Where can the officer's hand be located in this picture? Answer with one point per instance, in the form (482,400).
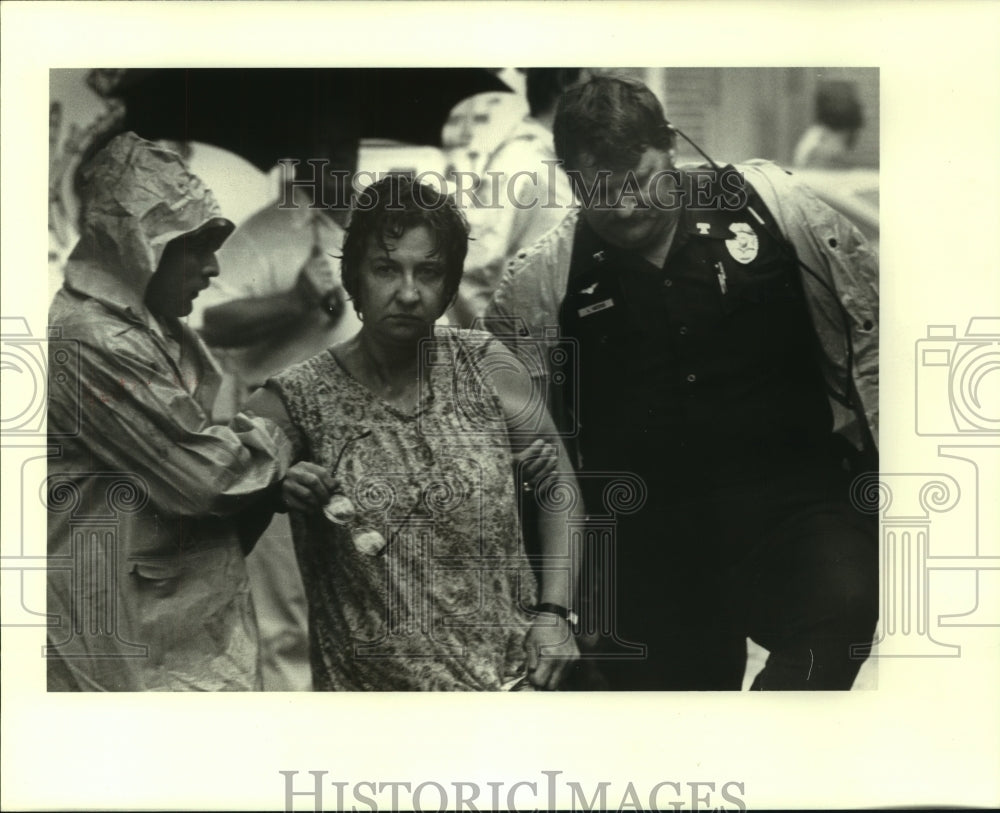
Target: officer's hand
(307,487)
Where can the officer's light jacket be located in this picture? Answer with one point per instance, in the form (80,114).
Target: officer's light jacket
(147,584)
(533,287)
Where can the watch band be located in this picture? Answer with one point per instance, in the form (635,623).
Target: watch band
(558,609)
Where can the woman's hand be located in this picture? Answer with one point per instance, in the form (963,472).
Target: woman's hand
(307,487)
(533,463)
(551,651)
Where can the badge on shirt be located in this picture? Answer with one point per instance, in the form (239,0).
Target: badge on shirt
(744,246)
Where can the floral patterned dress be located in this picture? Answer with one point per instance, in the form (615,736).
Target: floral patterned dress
(443,607)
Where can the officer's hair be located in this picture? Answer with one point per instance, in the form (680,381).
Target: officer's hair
(611,120)
(389,208)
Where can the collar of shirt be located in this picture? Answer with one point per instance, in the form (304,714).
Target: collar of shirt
(89,279)
(597,257)
(713,219)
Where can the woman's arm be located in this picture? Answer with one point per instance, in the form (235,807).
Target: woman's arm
(550,646)
(307,486)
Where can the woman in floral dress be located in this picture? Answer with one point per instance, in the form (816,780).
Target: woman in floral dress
(408,435)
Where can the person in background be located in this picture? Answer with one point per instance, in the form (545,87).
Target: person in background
(403,502)
(523,192)
(161,601)
(715,362)
(279,300)
(829,142)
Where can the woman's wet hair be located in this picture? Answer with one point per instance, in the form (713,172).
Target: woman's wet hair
(608,122)
(392,206)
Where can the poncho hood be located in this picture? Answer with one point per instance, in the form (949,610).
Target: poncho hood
(137,196)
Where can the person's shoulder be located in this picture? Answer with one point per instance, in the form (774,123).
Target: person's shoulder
(474,337)
(783,192)
(480,347)
(319,367)
(531,290)
(551,249)
(87,321)
(768,175)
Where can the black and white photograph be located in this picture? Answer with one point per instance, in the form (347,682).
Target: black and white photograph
(396,487)
(370,387)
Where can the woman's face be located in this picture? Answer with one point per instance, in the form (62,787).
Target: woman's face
(402,289)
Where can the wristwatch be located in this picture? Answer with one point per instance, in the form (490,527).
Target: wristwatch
(558,609)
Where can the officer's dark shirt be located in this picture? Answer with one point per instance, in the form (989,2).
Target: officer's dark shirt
(709,364)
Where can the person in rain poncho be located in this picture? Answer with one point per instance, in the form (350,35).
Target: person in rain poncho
(151,507)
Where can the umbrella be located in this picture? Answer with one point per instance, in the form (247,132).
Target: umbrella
(265,114)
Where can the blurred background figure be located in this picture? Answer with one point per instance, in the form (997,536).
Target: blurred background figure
(477,126)
(829,142)
(522,192)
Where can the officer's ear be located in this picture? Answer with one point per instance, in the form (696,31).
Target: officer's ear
(672,157)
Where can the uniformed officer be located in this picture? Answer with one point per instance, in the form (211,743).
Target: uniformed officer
(705,346)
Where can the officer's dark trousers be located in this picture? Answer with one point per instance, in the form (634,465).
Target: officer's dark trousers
(782,558)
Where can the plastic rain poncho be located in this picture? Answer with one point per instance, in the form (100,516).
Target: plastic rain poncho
(148,501)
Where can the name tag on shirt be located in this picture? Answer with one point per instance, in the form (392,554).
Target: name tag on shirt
(596,307)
